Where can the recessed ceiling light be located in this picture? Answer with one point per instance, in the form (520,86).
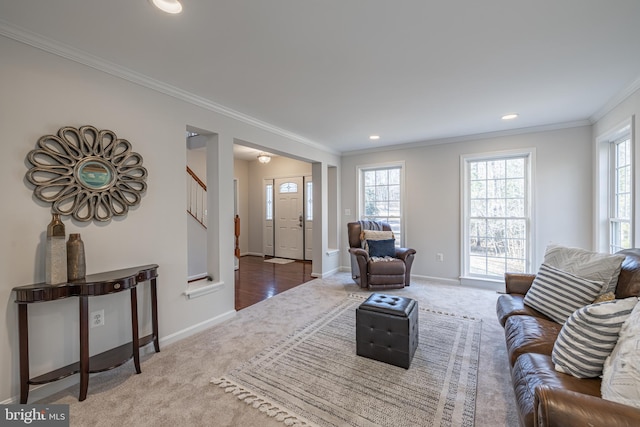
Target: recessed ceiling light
(374,137)
(510,116)
(169,6)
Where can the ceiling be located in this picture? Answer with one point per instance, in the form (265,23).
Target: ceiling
(333,72)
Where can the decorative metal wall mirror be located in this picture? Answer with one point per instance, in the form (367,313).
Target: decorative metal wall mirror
(87,173)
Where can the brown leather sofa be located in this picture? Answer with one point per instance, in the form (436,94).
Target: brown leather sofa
(377,275)
(544,396)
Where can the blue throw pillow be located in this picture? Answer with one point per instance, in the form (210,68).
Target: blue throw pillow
(382,248)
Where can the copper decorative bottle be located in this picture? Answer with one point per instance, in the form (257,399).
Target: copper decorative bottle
(55,270)
(76,264)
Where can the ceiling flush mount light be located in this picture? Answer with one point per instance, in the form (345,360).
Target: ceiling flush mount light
(510,116)
(374,137)
(264,158)
(169,6)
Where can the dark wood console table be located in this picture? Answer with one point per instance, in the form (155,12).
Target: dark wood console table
(92,285)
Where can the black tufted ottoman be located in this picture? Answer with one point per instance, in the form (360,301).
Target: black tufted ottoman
(387,329)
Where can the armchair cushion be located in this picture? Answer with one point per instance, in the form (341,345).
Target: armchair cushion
(382,248)
(376,235)
(368,235)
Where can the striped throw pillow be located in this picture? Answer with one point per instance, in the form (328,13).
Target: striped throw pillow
(589,336)
(557,293)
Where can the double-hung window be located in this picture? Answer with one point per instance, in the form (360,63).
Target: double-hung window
(380,189)
(496,220)
(621,194)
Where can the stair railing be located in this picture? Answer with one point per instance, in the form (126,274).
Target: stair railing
(196,197)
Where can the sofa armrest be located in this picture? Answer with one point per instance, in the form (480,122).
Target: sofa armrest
(518,283)
(557,407)
(403,253)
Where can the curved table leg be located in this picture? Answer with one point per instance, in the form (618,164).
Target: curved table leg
(23,332)
(84,347)
(135,340)
(154,314)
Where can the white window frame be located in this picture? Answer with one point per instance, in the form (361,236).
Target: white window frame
(605,193)
(466,278)
(360,180)
(268,202)
(614,245)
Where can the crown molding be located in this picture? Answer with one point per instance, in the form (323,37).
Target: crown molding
(35,40)
(472,137)
(616,100)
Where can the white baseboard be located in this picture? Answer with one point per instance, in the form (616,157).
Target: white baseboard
(45,390)
(478,284)
(437,279)
(194,329)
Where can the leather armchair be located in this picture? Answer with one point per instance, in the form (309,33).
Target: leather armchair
(381,274)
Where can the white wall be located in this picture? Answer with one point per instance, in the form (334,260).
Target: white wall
(42,92)
(432,194)
(241,173)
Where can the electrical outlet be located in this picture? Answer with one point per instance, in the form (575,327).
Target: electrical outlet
(97,318)
(439,257)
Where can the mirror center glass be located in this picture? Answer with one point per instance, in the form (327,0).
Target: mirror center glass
(95,174)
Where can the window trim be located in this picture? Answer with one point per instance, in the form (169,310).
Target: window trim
(530,154)
(604,186)
(360,190)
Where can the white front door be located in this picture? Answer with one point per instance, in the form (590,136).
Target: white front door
(288,218)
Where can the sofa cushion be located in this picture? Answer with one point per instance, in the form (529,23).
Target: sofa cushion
(557,293)
(621,376)
(532,370)
(589,265)
(528,334)
(588,337)
(513,305)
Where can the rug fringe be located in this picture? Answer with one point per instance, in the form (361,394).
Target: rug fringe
(261,404)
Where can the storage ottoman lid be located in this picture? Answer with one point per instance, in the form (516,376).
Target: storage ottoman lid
(388,304)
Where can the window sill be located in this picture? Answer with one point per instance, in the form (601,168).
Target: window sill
(482,283)
(202,287)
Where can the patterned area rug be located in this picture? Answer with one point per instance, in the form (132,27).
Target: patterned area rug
(315,378)
(278,260)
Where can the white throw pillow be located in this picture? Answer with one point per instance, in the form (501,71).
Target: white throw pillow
(557,293)
(588,337)
(589,265)
(621,375)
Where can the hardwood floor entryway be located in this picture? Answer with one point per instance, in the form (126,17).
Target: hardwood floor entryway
(257,280)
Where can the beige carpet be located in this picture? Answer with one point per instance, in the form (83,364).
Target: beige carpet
(174,389)
(314,377)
